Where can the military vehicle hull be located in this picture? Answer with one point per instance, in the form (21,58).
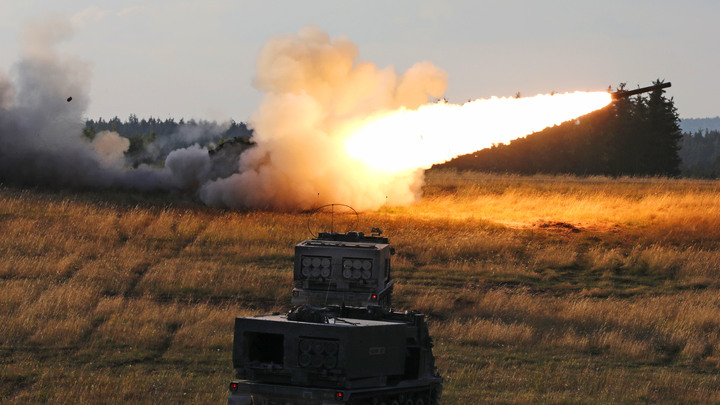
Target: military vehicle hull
(351,355)
(343,343)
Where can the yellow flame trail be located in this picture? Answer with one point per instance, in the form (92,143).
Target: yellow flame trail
(434,133)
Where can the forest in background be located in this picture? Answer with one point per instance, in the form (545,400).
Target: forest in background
(692,125)
(152,139)
(700,154)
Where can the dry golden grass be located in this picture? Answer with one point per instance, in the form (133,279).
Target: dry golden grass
(660,208)
(538,289)
(203,278)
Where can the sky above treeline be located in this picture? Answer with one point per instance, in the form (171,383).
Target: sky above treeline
(196,59)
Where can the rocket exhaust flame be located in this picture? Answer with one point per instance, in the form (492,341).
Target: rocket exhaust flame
(333,129)
(435,133)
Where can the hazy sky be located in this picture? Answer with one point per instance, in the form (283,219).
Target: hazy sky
(195,59)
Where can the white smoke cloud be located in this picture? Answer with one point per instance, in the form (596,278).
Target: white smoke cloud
(41,122)
(90,15)
(110,148)
(314,90)
(189,167)
(7,92)
(201,133)
(39,129)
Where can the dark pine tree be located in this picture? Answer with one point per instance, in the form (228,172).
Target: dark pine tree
(663,128)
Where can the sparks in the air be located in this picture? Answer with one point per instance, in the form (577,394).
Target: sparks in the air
(434,133)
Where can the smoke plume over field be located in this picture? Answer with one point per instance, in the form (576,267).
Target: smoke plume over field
(330,128)
(315,91)
(42,103)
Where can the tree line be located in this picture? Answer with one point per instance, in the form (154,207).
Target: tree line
(639,135)
(700,154)
(152,139)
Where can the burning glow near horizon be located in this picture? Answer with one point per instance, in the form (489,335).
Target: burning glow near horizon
(435,133)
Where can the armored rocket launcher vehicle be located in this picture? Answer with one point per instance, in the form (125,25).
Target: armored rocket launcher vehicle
(341,344)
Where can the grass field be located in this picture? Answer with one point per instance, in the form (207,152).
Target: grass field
(538,289)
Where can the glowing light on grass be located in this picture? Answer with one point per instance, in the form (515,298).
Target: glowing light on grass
(434,133)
